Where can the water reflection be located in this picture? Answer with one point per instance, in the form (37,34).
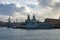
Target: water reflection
(22,34)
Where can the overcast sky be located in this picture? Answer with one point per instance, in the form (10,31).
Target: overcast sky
(19,9)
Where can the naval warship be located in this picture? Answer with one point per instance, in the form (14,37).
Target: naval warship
(34,24)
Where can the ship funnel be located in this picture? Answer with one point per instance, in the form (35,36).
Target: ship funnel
(34,17)
(28,17)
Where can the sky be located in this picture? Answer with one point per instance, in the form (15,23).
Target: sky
(19,9)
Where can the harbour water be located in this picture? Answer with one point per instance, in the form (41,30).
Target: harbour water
(25,34)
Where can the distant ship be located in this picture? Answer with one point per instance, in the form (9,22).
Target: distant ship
(34,24)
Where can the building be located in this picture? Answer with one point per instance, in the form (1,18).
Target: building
(56,22)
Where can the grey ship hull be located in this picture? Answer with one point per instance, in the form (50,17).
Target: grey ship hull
(40,26)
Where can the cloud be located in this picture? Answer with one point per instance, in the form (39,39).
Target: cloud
(50,8)
(45,9)
(15,11)
(10,9)
(57,5)
(45,3)
(7,9)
